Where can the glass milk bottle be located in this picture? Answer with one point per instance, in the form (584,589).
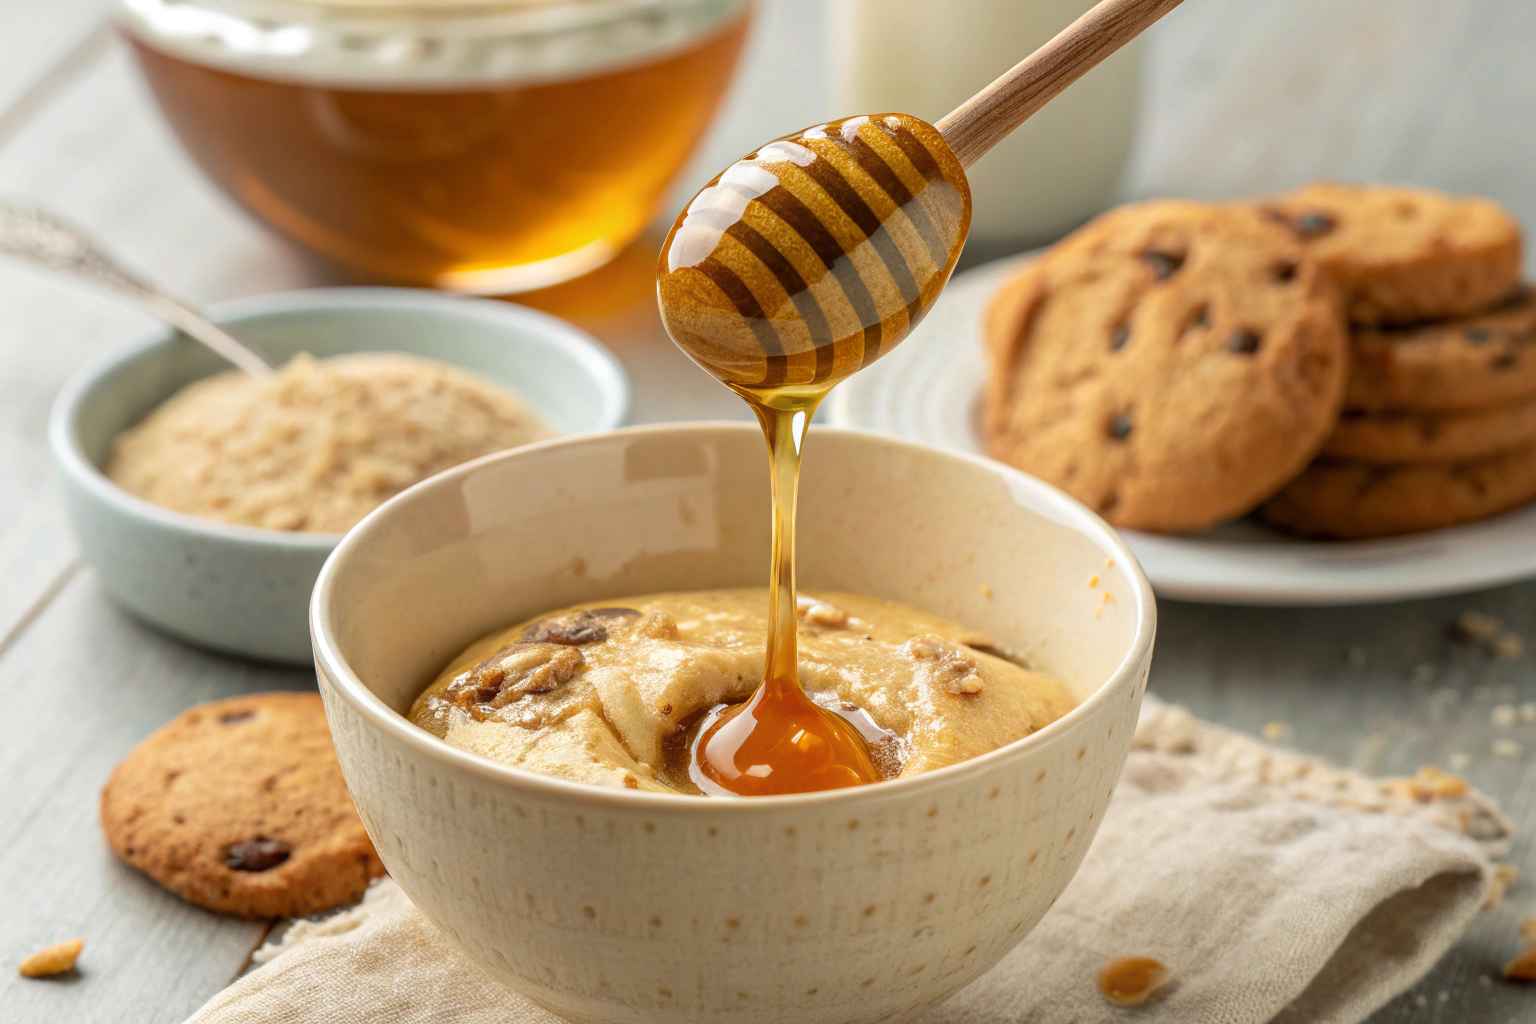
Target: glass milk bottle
(921,57)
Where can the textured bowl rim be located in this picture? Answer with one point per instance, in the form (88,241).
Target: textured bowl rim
(611,389)
(380,716)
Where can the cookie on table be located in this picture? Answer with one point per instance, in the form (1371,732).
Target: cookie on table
(1399,436)
(1472,363)
(1354,500)
(239,806)
(1171,365)
(1402,255)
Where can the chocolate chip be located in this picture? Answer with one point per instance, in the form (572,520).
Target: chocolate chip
(1118,337)
(574,630)
(1120,426)
(1164,264)
(615,613)
(1477,335)
(1243,341)
(1283,273)
(1504,361)
(258,854)
(1472,478)
(1202,317)
(1314,224)
(231,717)
(1373,478)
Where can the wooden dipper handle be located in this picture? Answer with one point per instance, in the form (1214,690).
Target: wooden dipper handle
(982,121)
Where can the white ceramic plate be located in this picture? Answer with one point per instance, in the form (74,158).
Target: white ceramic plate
(927,390)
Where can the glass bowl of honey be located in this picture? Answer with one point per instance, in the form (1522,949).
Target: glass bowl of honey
(485,146)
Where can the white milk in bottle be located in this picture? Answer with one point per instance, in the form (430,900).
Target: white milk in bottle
(923,57)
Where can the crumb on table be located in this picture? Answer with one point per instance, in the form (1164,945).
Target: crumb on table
(1488,633)
(1430,783)
(57,959)
(1523,966)
(1504,878)
(1131,980)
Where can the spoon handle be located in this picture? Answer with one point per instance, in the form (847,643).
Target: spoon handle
(46,241)
(986,118)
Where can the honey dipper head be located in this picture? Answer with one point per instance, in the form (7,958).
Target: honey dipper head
(815,255)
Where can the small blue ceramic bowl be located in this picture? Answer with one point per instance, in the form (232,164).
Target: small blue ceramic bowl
(245,590)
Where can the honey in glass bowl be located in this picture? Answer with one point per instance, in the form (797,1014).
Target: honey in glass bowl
(488,146)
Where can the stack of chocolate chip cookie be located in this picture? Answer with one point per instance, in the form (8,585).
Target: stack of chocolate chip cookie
(1350,361)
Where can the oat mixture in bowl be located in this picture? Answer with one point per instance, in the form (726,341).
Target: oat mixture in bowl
(139,466)
(320,444)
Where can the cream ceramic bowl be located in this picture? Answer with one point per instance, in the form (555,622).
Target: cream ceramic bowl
(609,906)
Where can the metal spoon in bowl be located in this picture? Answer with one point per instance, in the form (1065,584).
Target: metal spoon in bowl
(46,241)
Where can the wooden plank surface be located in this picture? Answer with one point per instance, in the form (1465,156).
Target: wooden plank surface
(1241,97)
(41,43)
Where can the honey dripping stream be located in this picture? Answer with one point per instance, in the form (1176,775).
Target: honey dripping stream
(780,741)
(790,271)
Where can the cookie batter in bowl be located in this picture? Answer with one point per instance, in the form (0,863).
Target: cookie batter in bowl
(611,693)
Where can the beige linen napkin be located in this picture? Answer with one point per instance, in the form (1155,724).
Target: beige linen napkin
(1274,887)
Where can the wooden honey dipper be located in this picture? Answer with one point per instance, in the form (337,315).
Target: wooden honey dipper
(818,253)
(792,269)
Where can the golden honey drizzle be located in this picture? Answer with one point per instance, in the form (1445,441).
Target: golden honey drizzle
(790,271)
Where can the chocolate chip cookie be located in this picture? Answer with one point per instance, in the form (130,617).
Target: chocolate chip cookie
(239,806)
(1172,364)
(1402,255)
(1472,363)
(1353,500)
(1392,437)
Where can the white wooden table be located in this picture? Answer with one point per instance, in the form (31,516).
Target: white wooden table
(1242,97)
